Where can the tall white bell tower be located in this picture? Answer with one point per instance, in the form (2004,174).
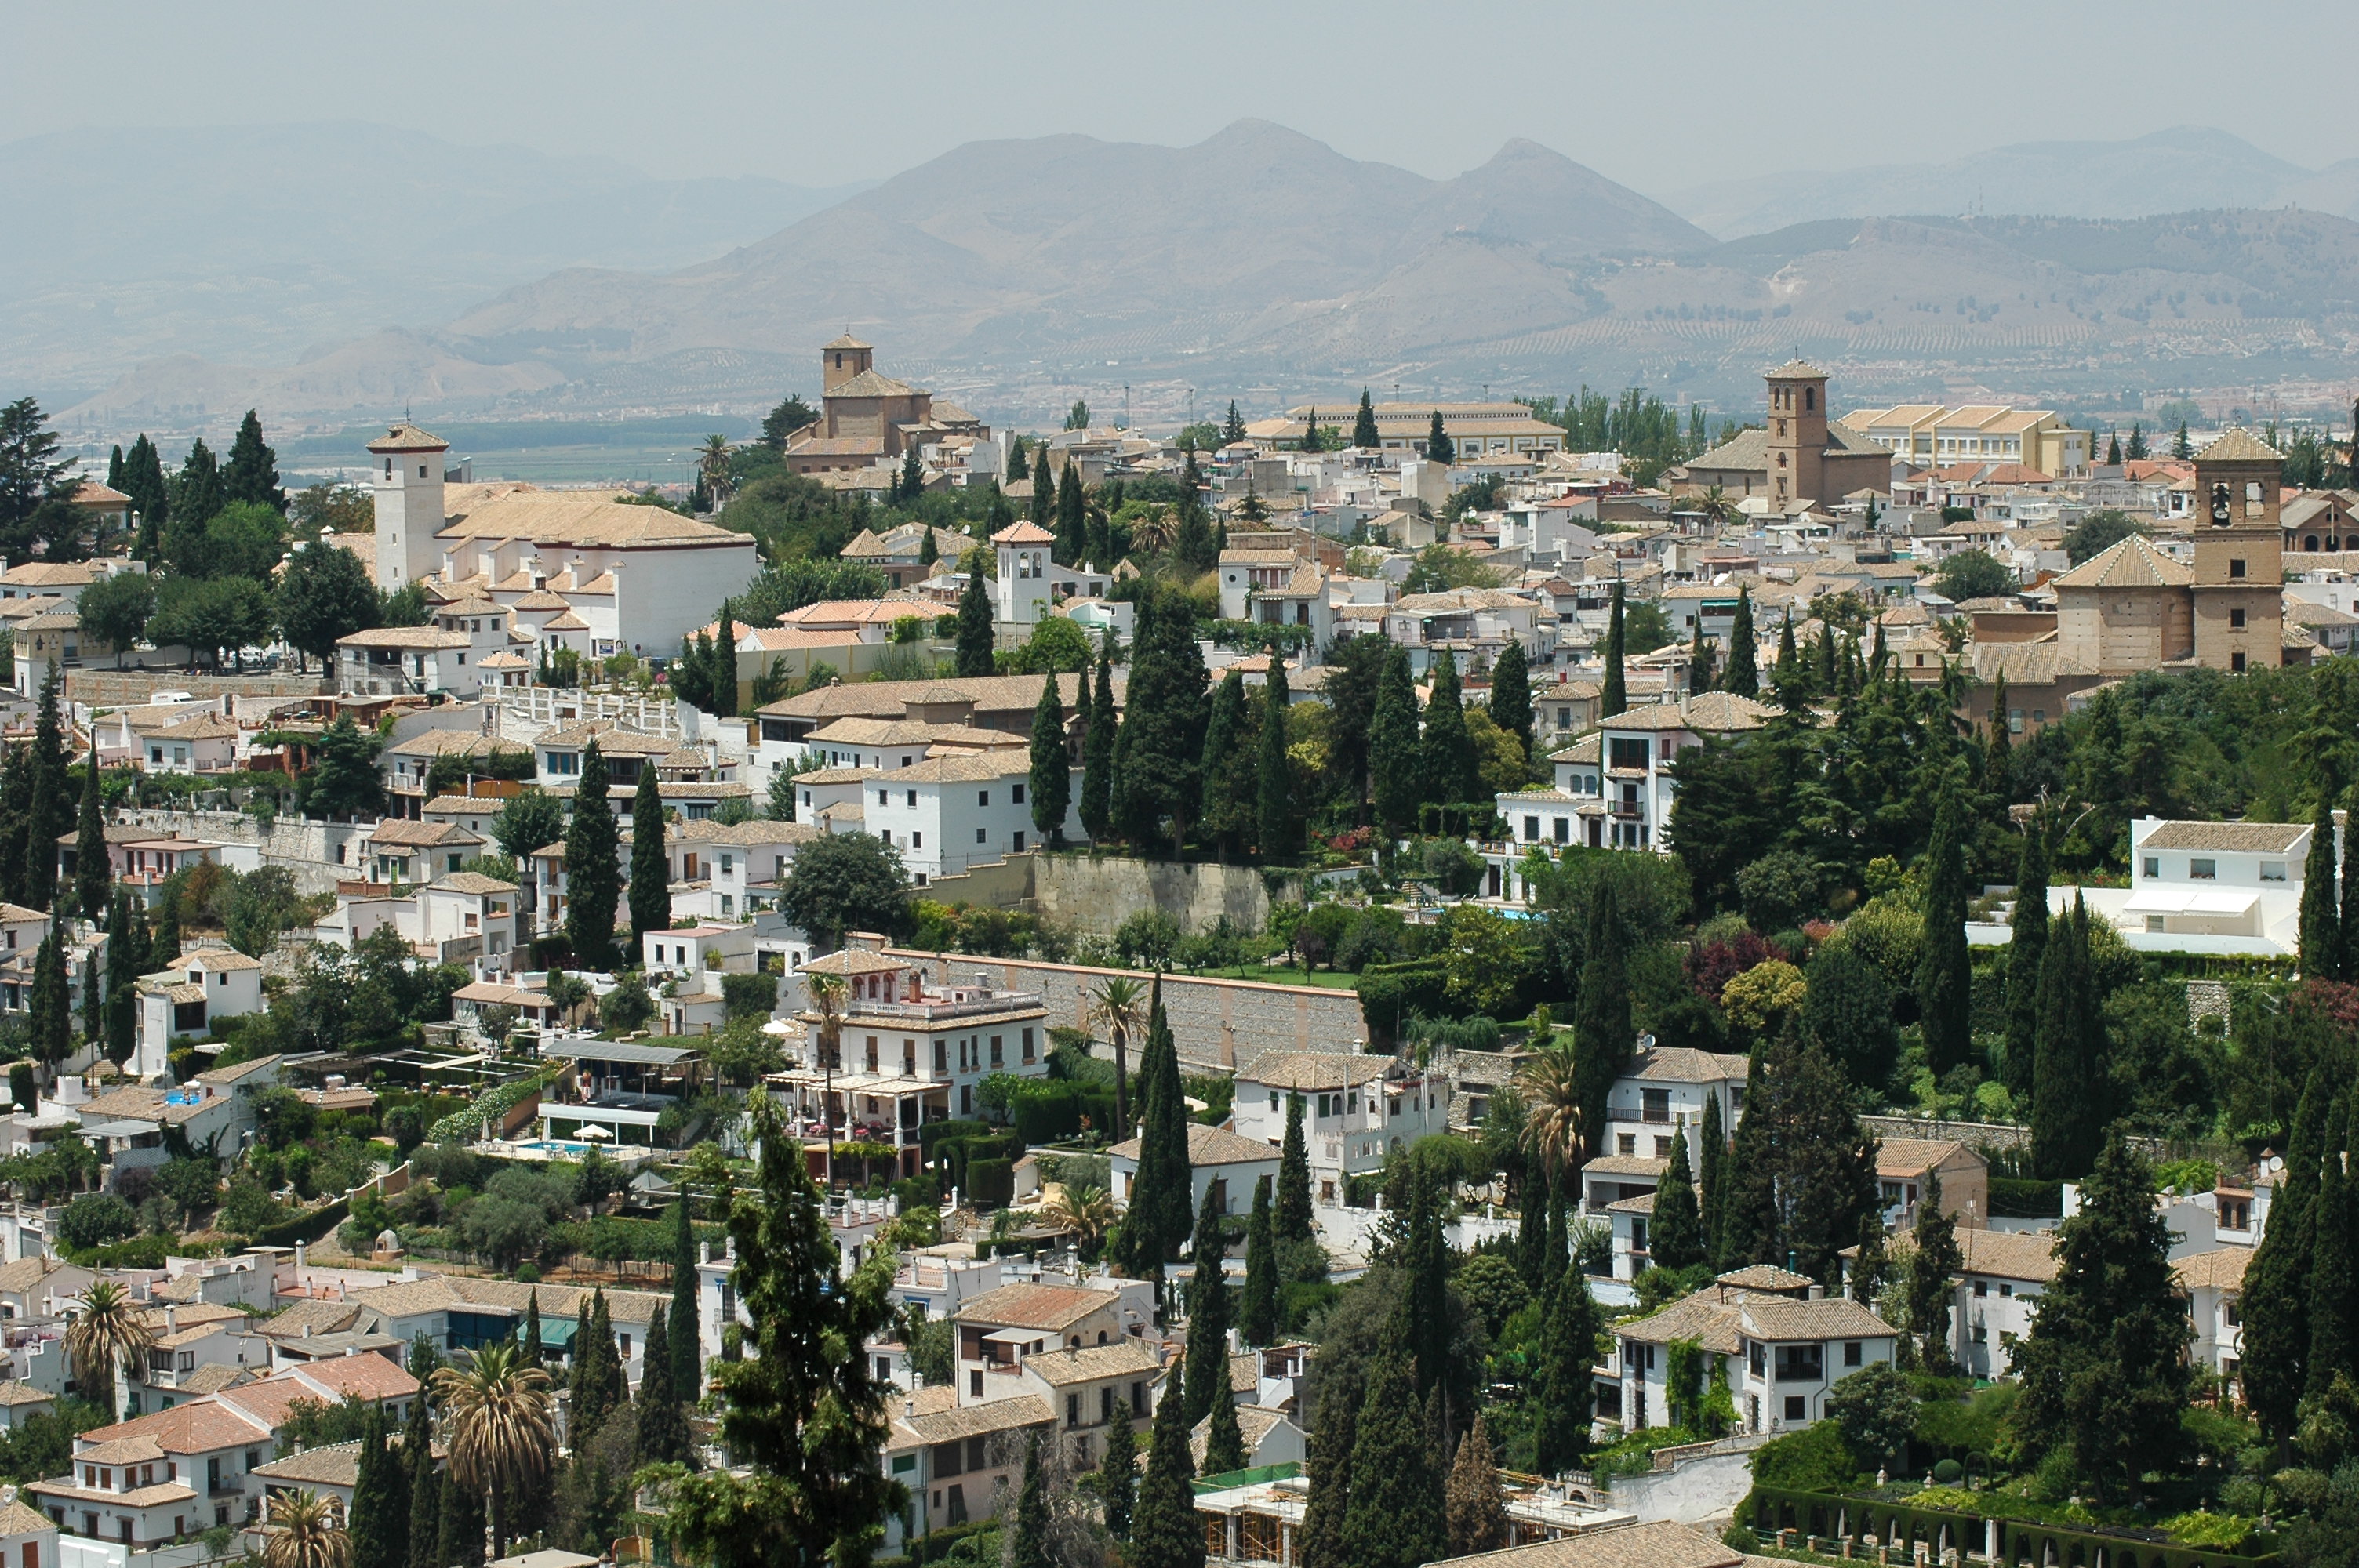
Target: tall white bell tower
(406,480)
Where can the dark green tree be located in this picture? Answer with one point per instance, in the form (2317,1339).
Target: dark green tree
(1439,447)
(1311,439)
(1233,427)
(976,640)
(1800,1180)
(1162,737)
(1364,425)
(325,593)
(1027,1547)
(2277,1299)
(1158,1218)
(1998,756)
(1042,510)
(2347,920)
(2333,1276)
(1119,1471)
(252,473)
(1511,695)
(2320,931)
(1929,1278)
(1531,1231)
(1327,1469)
(2104,1368)
(345,779)
(122,980)
(460,1532)
(142,481)
(663,1424)
(1563,1389)
(1452,771)
(1711,1184)
(425,1488)
(1292,1214)
(1072,518)
(2068,1103)
(1675,1235)
(1944,970)
(1052,768)
(1613,698)
(1395,764)
(197,495)
(687,1353)
(1225,817)
(1257,1313)
(1393,1517)
(1274,795)
(2026,955)
(1097,752)
(1602,1032)
(92,882)
(805,1420)
(1743,676)
(593,867)
(848,882)
(49,811)
(534,1351)
(651,891)
(379,1520)
(50,1006)
(1848,1011)
(1209,1311)
(1164,1530)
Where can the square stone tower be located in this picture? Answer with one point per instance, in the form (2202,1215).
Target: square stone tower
(2239,554)
(1798,433)
(406,478)
(842,360)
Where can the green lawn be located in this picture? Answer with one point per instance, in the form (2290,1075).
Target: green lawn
(1338,979)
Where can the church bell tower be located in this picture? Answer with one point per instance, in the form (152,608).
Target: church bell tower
(2239,554)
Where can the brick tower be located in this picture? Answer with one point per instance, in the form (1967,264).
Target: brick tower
(1798,433)
(2239,555)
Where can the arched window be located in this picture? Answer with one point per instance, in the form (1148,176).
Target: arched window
(2309,541)
(1810,397)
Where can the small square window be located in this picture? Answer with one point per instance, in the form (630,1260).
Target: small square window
(2203,871)
(1850,1352)
(2236,620)
(982,797)
(2235,569)
(1797,1408)
(2272,870)
(1016,795)
(2151,866)
(983,836)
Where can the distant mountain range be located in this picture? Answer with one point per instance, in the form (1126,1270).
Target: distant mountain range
(1258,264)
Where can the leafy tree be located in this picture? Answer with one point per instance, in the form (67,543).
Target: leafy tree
(788,416)
(31,471)
(976,640)
(1613,698)
(2104,1367)
(847,881)
(1944,970)
(1802,1178)
(116,609)
(1875,1410)
(1973,574)
(2098,531)
(591,869)
(1395,1517)
(1273,803)
(807,1421)
(1098,752)
(530,819)
(210,616)
(1053,771)
(343,780)
(1395,768)
(650,890)
(1364,425)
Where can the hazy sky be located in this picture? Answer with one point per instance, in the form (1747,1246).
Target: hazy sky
(1658,96)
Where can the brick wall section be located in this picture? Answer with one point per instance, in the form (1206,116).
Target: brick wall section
(1218,1025)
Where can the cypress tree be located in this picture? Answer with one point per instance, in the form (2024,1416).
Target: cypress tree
(1827,663)
(1162,738)
(16,822)
(2348,919)
(687,1351)
(929,551)
(1743,676)
(49,811)
(1675,1238)
(1164,1530)
(1274,802)
(1944,970)
(721,663)
(1053,771)
(1311,440)
(1224,1440)
(374,1526)
(2322,934)
(1395,770)
(94,1016)
(2278,1298)
(2068,1114)
(91,867)
(1439,447)
(1072,518)
(1998,758)
(591,867)
(1233,427)
(1393,1519)
(1511,695)
(252,474)
(1602,1032)
(197,489)
(1789,658)
(1042,512)
(1017,467)
(52,1004)
(651,891)
(461,1534)
(1226,820)
(1931,1278)
(425,1488)
(115,468)
(1558,1245)
(164,949)
(1327,1469)
(151,503)
(1364,425)
(1027,1545)
(1119,1471)
(1531,1233)
(1097,750)
(1452,774)
(1425,1303)
(1291,1216)
(1194,545)
(1700,661)
(1207,1314)
(1563,1397)
(663,1424)
(1712,1175)
(533,1349)
(1257,1313)
(1613,697)
(1475,1510)
(2027,949)
(2332,1273)
(1160,1214)
(975,638)
(122,978)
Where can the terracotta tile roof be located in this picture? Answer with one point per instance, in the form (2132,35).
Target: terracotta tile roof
(409,438)
(2239,445)
(2133,563)
(1626,1165)
(1909,1156)
(337,1465)
(1254,1423)
(1049,1308)
(198,1427)
(1765,1277)
(1208,1146)
(977,1420)
(2231,837)
(1310,1071)
(1685,1065)
(1123,1358)
(2222,1270)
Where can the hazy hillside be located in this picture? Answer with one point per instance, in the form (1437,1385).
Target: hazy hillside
(1261,262)
(2170,171)
(254,242)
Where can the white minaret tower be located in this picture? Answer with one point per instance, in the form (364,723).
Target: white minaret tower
(407,482)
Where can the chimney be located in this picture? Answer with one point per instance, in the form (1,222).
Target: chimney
(1817,1291)
(307,1331)
(909,1407)
(171,1319)
(301,1253)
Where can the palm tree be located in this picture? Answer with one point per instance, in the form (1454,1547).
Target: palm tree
(109,1333)
(828,996)
(1120,1004)
(307,1531)
(1154,529)
(501,1434)
(1085,1210)
(1551,1086)
(712,467)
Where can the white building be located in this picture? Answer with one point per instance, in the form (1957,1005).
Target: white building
(1219,1162)
(191,997)
(1779,1340)
(1615,789)
(2207,887)
(1356,1110)
(1029,581)
(2214,1283)
(949,812)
